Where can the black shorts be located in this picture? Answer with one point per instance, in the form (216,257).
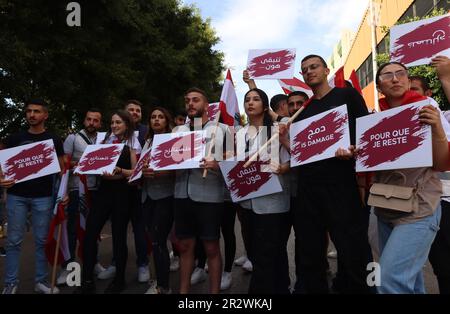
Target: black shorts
(197,219)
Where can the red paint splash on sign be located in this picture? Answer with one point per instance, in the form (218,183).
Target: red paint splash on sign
(213,109)
(98,159)
(177,150)
(140,165)
(271,63)
(391,138)
(29,161)
(243,181)
(319,136)
(423,42)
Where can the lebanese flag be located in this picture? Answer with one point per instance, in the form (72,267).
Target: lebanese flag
(337,79)
(355,82)
(59,218)
(229,108)
(294,85)
(84,205)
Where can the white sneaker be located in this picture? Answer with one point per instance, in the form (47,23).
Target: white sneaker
(198,275)
(143,274)
(248,266)
(241,260)
(108,273)
(9,289)
(43,287)
(98,268)
(153,287)
(225,283)
(332,254)
(175,263)
(62,278)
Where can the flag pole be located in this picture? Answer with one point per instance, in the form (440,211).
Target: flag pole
(373,31)
(272,138)
(213,138)
(55,260)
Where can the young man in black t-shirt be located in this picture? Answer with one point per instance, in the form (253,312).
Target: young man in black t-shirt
(34,195)
(328,198)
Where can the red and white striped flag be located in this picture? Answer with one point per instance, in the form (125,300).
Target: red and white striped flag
(337,79)
(229,108)
(293,85)
(355,82)
(84,206)
(59,218)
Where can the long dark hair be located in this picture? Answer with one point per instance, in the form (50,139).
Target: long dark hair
(167,116)
(126,118)
(267,119)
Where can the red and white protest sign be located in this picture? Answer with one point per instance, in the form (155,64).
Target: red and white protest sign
(271,63)
(182,150)
(319,137)
(393,139)
(31,161)
(213,110)
(416,43)
(144,158)
(98,159)
(251,182)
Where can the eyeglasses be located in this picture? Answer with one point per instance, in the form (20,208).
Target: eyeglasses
(311,67)
(389,76)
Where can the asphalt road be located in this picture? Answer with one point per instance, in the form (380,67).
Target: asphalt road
(240,277)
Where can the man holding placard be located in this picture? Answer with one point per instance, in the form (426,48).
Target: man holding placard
(35,195)
(198,199)
(328,197)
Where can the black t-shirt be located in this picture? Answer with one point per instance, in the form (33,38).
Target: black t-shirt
(333,170)
(39,187)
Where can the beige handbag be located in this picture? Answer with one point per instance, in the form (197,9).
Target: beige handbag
(395,197)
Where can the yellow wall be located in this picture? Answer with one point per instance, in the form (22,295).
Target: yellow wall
(390,12)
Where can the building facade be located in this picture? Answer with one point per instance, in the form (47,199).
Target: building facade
(389,13)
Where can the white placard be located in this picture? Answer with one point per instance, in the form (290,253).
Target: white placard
(99,159)
(144,157)
(416,43)
(271,63)
(30,161)
(319,137)
(181,150)
(393,139)
(251,182)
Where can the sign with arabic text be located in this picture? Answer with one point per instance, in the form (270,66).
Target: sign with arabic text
(319,137)
(271,63)
(416,43)
(99,159)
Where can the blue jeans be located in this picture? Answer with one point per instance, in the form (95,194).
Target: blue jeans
(404,251)
(41,211)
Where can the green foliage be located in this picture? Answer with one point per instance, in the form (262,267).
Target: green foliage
(151,50)
(425,71)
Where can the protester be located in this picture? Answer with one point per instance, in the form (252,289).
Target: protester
(266,218)
(406,237)
(37,196)
(198,200)
(157,202)
(328,197)
(74,146)
(112,202)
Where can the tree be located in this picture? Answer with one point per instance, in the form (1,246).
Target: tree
(425,71)
(151,50)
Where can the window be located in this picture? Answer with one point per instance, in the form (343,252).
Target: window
(443,4)
(423,7)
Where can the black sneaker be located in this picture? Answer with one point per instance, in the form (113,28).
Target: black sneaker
(2,251)
(115,287)
(87,287)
